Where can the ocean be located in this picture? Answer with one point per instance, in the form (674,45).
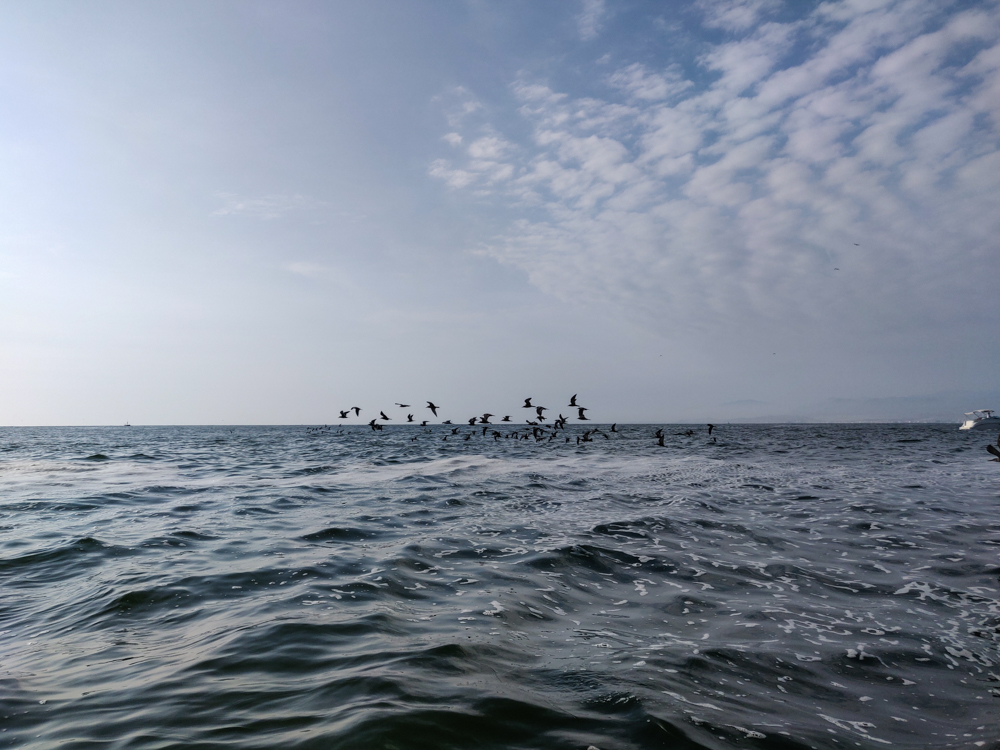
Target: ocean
(784,587)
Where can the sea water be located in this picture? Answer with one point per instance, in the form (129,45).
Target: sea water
(785,586)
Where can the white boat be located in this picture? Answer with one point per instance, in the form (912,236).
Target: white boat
(980,418)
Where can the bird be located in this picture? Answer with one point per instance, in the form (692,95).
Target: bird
(356,409)
(433,407)
(572,400)
(539,410)
(995,451)
(454,430)
(373,425)
(506,419)
(424,423)
(659,441)
(447,421)
(710,428)
(343,414)
(856,245)
(383,416)
(472,421)
(409,417)
(613,427)
(485,419)
(658,433)
(582,416)
(527,403)
(402,406)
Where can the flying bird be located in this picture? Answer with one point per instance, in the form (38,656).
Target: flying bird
(343,414)
(409,417)
(506,419)
(572,400)
(527,404)
(710,428)
(403,406)
(582,415)
(383,416)
(433,407)
(995,451)
(485,419)
(356,409)
(613,427)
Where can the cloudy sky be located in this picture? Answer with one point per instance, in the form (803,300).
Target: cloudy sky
(262,212)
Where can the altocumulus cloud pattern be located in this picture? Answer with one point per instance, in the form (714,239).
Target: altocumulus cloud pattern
(861,137)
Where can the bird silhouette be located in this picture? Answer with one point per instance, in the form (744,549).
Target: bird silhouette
(343,414)
(485,419)
(613,427)
(472,421)
(506,419)
(527,404)
(995,451)
(572,401)
(710,428)
(424,423)
(447,421)
(433,407)
(409,417)
(402,406)
(383,416)
(582,416)
(539,410)
(356,409)
(659,441)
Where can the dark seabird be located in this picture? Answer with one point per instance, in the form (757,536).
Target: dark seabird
(373,425)
(710,428)
(539,410)
(486,426)
(582,415)
(527,404)
(469,436)
(403,406)
(659,441)
(356,409)
(454,430)
(658,433)
(613,427)
(424,423)
(447,421)
(485,419)
(472,421)
(433,407)
(343,414)
(995,451)
(572,401)
(409,417)
(506,419)
(383,416)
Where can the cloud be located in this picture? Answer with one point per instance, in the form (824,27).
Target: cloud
(875,152)
(265,207)
(589,20)
(735,15)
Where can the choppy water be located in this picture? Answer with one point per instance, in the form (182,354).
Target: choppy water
(788,587)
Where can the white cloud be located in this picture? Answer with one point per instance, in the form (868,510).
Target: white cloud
(265,207)
(590,18)
(736,200)
(736,15)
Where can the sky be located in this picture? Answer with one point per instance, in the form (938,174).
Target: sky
(245,212)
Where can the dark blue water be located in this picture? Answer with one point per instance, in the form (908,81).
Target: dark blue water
(786,587)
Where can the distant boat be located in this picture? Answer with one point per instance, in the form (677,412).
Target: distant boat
(980,418)
(127,424)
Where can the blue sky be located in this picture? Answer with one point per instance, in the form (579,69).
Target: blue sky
(247,212)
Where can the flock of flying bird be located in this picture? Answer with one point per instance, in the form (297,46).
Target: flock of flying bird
(536,428)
